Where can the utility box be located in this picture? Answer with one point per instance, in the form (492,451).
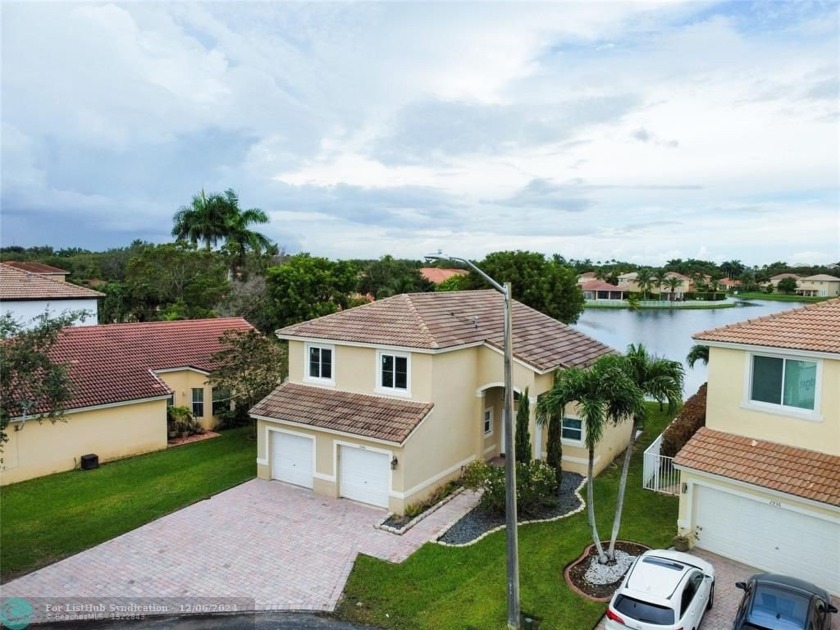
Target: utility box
(90,461)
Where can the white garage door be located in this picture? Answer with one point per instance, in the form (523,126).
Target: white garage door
(291,458)
(364,475)
(769,536)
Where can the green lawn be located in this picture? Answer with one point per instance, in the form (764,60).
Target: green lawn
(780,297)
(46,519)
(464,588)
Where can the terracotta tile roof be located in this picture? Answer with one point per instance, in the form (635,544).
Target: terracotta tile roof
(21,285)
(815,327)
(794,471)
(454,318)
(114,362)
(598,285)
(436,275)
(34,267)
(387,419)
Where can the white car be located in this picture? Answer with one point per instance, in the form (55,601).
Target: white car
(663,590)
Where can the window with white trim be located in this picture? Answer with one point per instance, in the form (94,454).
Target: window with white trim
(198,402)
(320,363)
(393,371)
(488,421)
(572,429)
(784,382)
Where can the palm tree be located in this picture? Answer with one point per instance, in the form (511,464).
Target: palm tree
(657,378)
(658,278)
(644,280)
(204,220)
(672,282)
(697,353)
(239,238)
(603,392)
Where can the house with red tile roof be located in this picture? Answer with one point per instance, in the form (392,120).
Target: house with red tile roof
(387,401)
(761,481)
(48,271)
(438,275)
(123,377)
(28,291)
(594,290)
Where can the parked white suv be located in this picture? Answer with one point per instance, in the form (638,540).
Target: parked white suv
(663,590)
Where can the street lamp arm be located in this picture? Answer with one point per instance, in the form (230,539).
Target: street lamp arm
(489,280)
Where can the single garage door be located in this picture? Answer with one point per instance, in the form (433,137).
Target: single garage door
(769,535)
(364,475)
(291,458)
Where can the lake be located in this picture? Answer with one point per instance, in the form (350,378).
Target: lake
(667,332)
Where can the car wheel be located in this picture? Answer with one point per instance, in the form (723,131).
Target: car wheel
(711,598)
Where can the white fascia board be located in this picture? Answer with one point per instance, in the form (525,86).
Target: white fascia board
(68,412)
(812,354)
(186,368)
(380,346)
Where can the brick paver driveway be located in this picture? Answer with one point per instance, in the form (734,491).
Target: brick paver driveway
(282,546)
(727,597)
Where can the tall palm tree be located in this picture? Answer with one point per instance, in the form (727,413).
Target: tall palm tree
(658,278)
(203,221)
(672,282)
(239,238)
(657,378)
(644,278)
(604,393)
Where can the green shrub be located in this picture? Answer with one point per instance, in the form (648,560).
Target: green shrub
(180,421)
(691,417)
(536,486)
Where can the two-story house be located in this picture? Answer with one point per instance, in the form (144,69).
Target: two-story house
(387,401)
(820,285)
(760,483)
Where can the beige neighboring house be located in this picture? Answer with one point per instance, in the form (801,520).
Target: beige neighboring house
(586,276)
(774,281)
(594,290)
(629,283)
(387,401)
(761,481)
(26,294)
(124,376)
(820,285)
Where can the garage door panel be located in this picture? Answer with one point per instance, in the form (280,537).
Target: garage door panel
(768,536)
(364,475)
(292,459)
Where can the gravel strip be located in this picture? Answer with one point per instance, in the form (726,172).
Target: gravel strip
(477,522)
(598,573)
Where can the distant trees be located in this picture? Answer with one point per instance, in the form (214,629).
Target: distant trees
(787,285)
(390,276)
(545,285)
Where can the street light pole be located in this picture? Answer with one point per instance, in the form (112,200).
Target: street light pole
(512,538)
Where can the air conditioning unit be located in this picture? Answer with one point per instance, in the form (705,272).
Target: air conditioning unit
(90,461)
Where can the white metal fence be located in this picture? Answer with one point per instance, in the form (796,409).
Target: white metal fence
(659,473)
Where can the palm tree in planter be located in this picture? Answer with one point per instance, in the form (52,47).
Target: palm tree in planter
(657,378)
(603,393)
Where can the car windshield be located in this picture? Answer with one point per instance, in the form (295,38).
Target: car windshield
(644,611)
(775,607)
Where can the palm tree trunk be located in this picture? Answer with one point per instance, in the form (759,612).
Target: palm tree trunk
(622,486)
(590,500)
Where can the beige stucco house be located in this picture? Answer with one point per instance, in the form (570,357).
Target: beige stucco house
(387,401)
(629,283)
(761,481)
(124,376)
(820,285)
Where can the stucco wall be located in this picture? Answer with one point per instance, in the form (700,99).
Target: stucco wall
(728,408)
(111,433)
(182,383)
(25,310)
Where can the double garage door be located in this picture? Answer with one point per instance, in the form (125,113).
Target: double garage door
(363,475)
(769,535)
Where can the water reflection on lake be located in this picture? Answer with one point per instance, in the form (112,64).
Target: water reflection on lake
(667,332)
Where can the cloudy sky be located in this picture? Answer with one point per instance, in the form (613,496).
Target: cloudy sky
(629,130)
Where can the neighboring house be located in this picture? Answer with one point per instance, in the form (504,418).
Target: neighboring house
(761,481)
(628,282)
(821,285)
(387,401)
(729,284)
(26,295)
(595,290)
(123,376)
(586,276)
(47,271)
(774,281)
(436,276)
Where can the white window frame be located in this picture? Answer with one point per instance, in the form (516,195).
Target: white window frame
(393,391)
(488,412)
(569,441)
(317,379)
(194,402)
(782,409)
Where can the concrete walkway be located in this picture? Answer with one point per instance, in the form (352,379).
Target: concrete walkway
(278,546)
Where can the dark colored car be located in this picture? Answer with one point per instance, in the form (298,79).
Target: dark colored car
(779,602)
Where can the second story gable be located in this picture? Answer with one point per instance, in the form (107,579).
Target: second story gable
(777,378)
(418,345)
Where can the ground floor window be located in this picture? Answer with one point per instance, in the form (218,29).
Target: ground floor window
(198,402)
(488,421)
(221,400)
(572,429)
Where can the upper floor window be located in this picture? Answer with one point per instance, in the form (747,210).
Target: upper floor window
(320,363)
(572,429)
(785,382)
(393,372)
(198,402)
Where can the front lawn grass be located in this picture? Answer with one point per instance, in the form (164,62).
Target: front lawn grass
(781,297)
(44,520)
(466,588)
